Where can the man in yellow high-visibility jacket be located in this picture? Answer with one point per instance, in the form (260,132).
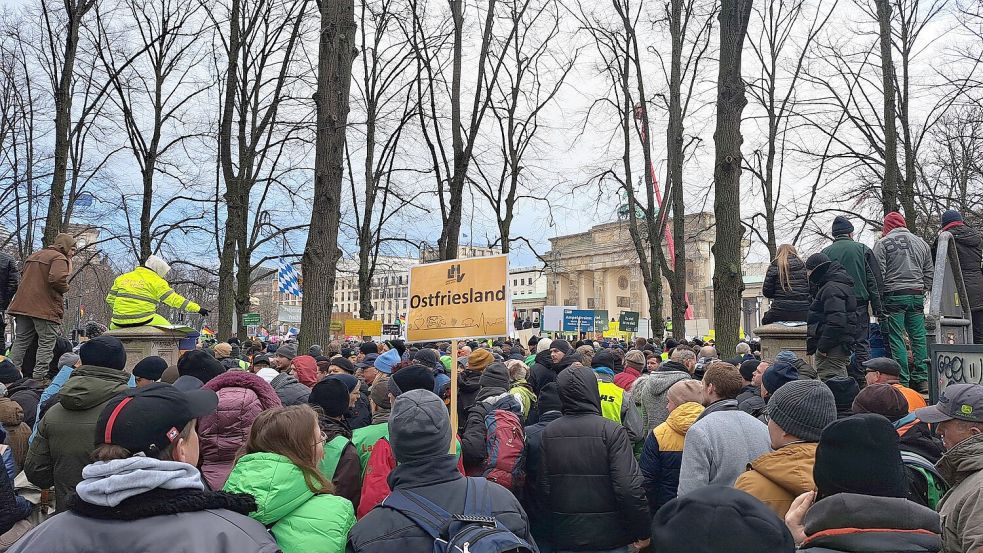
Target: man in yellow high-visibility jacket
(135,295)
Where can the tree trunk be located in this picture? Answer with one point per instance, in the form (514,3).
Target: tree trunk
(889,191)
(227,257)
(63,122)
(336,51)
(450,234)
(674,155)
(727,278)
(366,244)
(146,205)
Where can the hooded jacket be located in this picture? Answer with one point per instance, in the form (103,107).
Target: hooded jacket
(778,477)
(796,297)
(589,480)
(468,384)
(962,516)
(719,446)
(289,390)
(135,296)
(663,454)
(969,249)
(300,520)
(861,265)
(160,508)
(425,468)
(751,402)
(241,398)
(44,282)
(833,313)
(18,433)
(27,393)
(652,395)
(905,260)
(851,523)
(532,500)
(492,396)
(66,433)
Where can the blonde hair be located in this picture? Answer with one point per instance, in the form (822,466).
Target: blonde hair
(785,251)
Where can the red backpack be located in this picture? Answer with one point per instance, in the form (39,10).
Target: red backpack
(505,442)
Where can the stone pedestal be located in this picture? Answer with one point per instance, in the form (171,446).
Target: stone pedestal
(144,341)
(778,337)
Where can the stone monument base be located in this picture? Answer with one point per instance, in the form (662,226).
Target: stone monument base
(778,337)
(144,341)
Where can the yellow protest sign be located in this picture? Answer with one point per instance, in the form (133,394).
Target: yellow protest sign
(457,299)
(358,327)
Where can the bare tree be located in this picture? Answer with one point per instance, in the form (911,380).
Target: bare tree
(154,95)
(728,278)
(336,52)
(259,40)
(889,195)
(532,75)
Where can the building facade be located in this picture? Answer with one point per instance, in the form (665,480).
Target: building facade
(599,269)
(528,286)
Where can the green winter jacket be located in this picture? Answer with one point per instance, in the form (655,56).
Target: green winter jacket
(859,262)
(301,521)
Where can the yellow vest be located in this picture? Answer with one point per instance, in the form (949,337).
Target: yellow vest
(135,296)
(612,397)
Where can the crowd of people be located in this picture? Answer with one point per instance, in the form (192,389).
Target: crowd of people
(550,445)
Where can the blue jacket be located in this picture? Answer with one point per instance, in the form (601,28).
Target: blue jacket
(662,455)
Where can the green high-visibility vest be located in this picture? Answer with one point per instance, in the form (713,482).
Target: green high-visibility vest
(332,456)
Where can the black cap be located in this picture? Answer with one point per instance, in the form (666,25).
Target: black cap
(147,420)
(884,365)
(261,358)
(344,364)
(414,377)
(331,395)
(349,352)
(104,351)
(860,455)
(151,368)
(199,364)
(368,347)
(816,260)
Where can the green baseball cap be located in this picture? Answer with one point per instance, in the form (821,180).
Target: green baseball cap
(958,401)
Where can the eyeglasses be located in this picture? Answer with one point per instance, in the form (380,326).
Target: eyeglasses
(324,438)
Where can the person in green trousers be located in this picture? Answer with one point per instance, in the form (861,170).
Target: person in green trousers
(906,263)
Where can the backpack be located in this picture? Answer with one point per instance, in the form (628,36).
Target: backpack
(474,531)
(928,478)
(505,440)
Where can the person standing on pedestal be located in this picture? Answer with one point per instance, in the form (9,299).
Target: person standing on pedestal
(861,265)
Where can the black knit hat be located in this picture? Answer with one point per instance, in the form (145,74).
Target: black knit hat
(495,375)
(151,368)
(343,364)
(951,216)
(8,372)
(714,519)
(605,358)
(841,226)
(414,377)
(104,351)
(860,455)
(199,364)
(549,399)
(844,389)
(816,260)
(331,395)
(747,368)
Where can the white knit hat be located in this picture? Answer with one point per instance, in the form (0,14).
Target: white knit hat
(157,265)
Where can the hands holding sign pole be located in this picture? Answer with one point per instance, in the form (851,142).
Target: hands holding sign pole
(459,299)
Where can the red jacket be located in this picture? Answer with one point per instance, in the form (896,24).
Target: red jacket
(375,484)
(626,379)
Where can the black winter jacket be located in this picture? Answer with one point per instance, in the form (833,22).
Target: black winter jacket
(27,393)
(796,297)
(384,530)
(969,248)
(589,480)
(833,314)
(850,523)
(751,402)
(468,384)
(532,500)
(541,373)
(475,436)
(9,279)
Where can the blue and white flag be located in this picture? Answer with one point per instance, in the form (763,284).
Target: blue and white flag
(288,279)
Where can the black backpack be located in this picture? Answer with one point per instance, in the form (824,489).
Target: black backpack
(474,531)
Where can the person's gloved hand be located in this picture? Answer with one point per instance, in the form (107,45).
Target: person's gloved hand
(203,312)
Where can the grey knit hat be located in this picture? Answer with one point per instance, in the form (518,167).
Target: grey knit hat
(803,408)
